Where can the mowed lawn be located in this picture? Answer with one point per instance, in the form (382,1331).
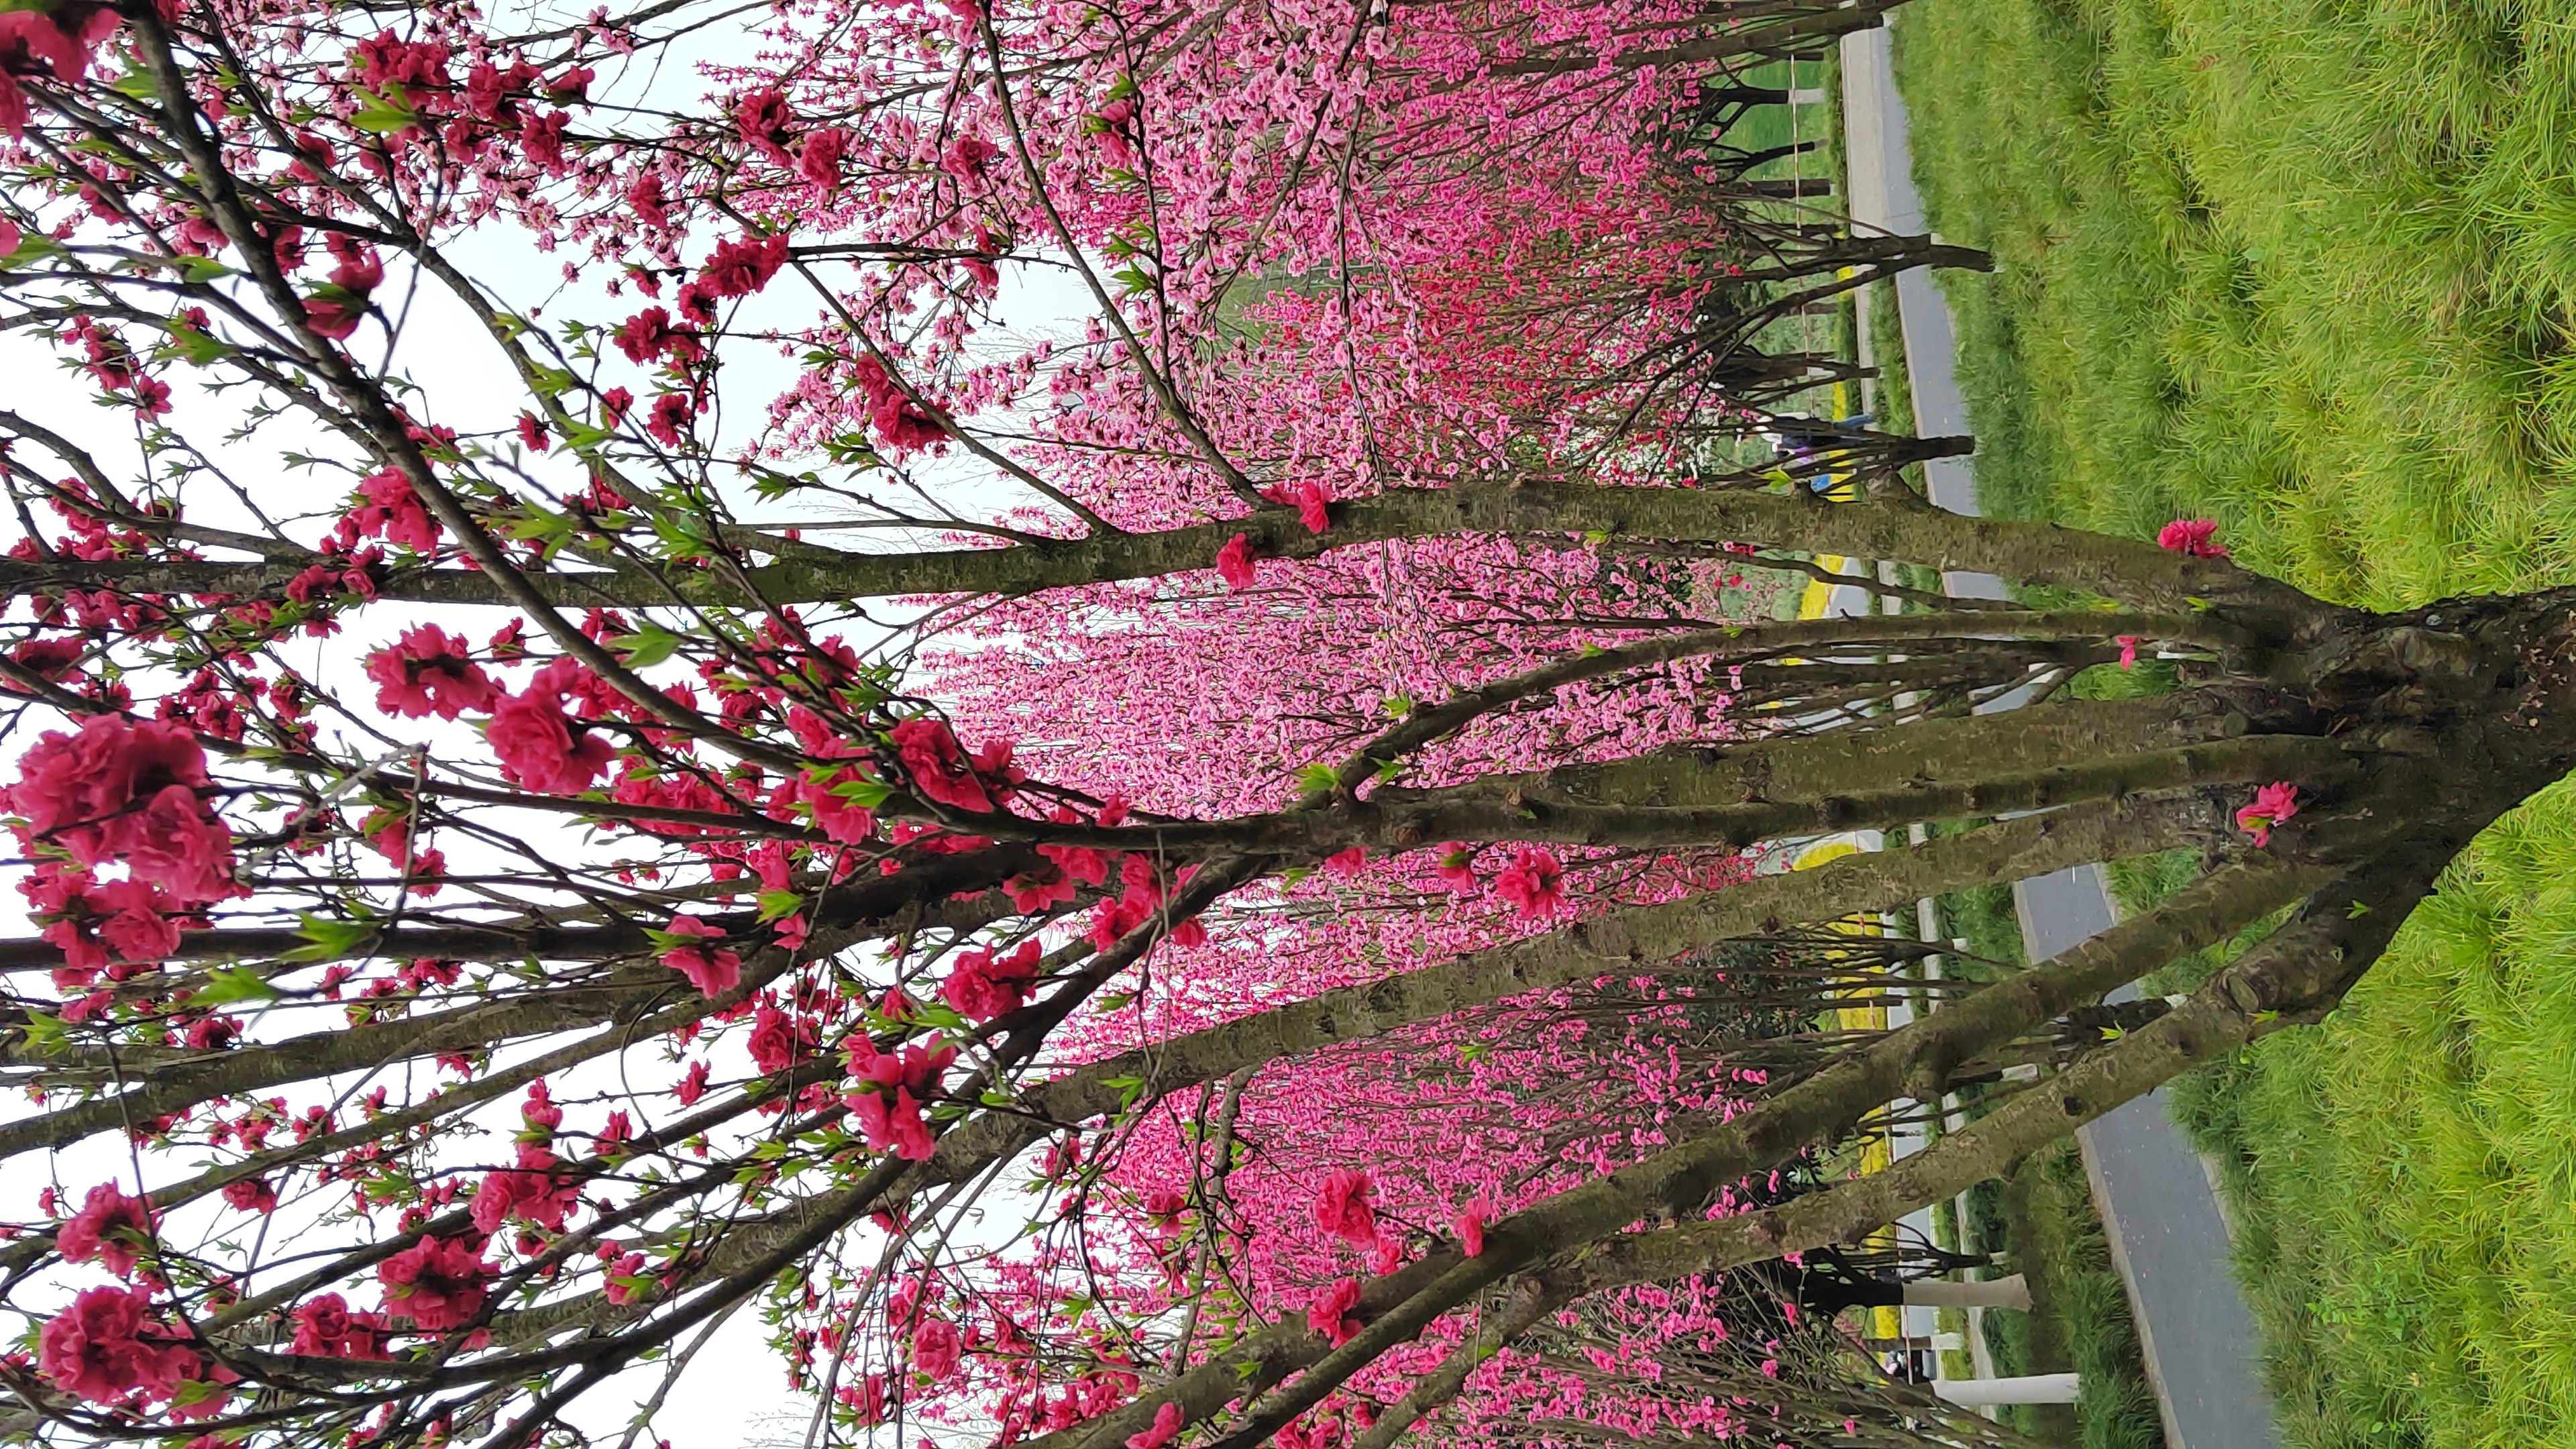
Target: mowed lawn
(2310,269)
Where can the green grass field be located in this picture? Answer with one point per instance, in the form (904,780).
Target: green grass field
(2307,268)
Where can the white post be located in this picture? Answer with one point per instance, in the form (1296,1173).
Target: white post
(2009,1292)
(2036,1389)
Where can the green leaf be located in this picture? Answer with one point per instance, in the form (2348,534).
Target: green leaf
(536,524)
(332,939)
(34,246)
(379,120)
(852,450)
(677,538)
(866,794)
(649,646)
(390,111)
(231,984)
(200,270)
(196,348)
(195,1391)
(1317,777)
(46,1033)
(2356,911)
(135,85)
(779,905)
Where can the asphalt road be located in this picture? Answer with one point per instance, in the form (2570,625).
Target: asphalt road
(2168,1239)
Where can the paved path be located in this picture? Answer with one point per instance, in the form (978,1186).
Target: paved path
(2168,1239)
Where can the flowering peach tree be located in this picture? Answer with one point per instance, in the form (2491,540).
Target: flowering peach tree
(602,742)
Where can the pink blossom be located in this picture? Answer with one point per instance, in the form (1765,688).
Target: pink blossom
(774,1043)
(936,1349)
(1167,1427)
(127,790)
(537,743)
(2273,804)
(629,1266)
(438,1283)
(899,421)
(668,423)
(106,1345)
(1031,894)
(1234,562)
(1456,864)
(2128,650)
(528,1193)
(359,268)
(1470,1227)
(918,1069)
(940,769)
(644,197)
(390,510)
(1079,862)
(983,987)
(174,843)
(69,54)
(740,268)
(1342,1207)
(713,971)
(1311,499)
(1535,883)
(1330,1314)
(110,1228)
(765,123)
(892,1124)
(430,672)
(648,337)
(966,157)
(334,318)
(325,1326)
(835,813)
(819,159)
(2194,536)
